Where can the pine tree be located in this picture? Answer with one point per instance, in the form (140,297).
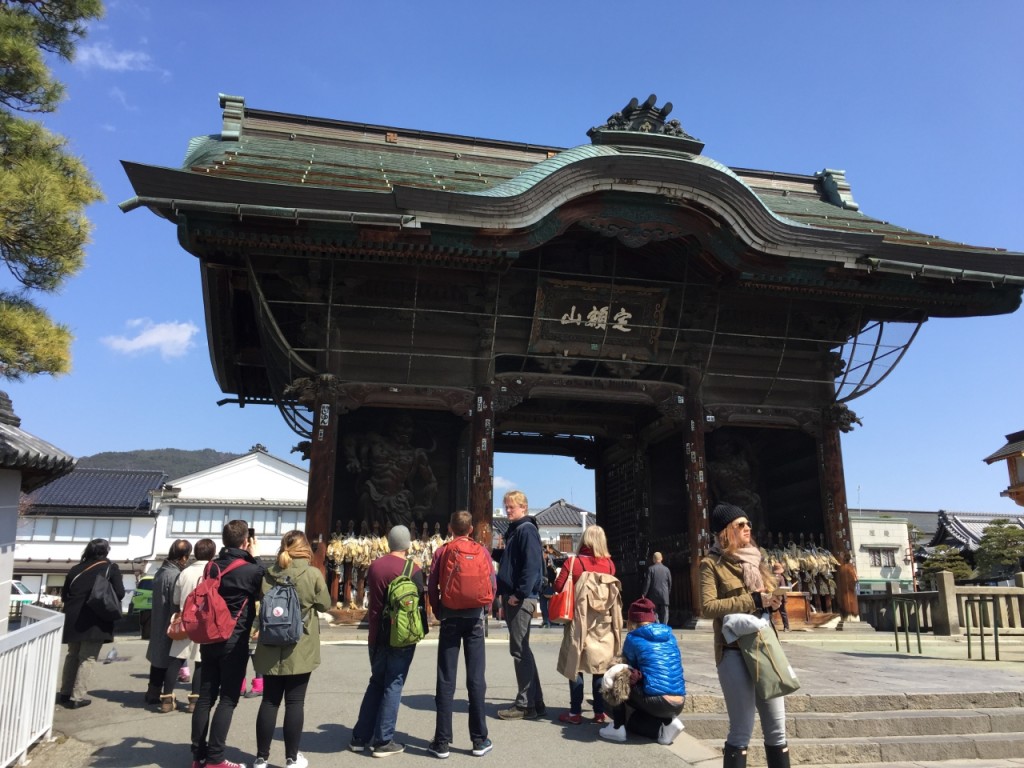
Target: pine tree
(44,190)
(1001,549)
(946,558)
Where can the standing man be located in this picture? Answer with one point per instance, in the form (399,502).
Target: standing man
(389,667)
(460,626)
(224,663)
(658,587)
(520,575)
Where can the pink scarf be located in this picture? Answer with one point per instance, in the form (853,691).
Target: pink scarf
(749,559)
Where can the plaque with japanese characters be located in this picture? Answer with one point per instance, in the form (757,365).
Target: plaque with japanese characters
(579,319)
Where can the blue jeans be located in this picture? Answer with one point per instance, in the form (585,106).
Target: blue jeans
(740,703)
(469,633)
(576,694)
(379,711)
(518,618)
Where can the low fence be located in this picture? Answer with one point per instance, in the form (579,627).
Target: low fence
(944,611)
(29,660)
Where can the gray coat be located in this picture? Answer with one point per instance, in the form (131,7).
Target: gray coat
(159,648)
(658,584)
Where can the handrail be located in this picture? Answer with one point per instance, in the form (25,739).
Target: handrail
(902,607)
(981,601)
(29,659)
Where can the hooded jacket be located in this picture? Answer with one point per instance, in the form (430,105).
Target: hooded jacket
(314,596)
(653,649)
(521,570)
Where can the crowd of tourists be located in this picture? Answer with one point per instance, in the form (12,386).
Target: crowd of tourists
(216,613)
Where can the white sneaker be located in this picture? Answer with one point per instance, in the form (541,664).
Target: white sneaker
(667,733)
(300,761)
(611,733)
(260,763)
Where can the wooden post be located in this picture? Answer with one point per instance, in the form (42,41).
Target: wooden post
(481,479)
(695,471)
(323,460)
(836,515)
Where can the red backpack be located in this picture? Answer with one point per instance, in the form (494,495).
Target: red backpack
(205,616)
(464,580)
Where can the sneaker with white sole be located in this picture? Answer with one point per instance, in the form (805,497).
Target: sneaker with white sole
(611,733)
(438,749)
(482,747)
(667,733)
(389,749)
(260,762)
(358,746)
(300,761)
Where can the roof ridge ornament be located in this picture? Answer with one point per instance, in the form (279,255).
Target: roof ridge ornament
(836,188)
(645,125)
(234,111)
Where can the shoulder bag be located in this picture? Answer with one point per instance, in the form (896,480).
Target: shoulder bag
(562,604)
(102,600)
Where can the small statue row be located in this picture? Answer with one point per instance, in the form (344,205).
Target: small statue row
(349,556)
(808,568)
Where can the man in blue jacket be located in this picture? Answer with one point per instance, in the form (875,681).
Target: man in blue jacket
(520,576)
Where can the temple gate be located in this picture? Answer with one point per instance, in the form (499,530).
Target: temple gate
(414,302)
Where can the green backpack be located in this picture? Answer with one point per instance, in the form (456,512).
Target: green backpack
(402,610)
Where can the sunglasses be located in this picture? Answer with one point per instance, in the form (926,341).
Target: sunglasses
(741,524)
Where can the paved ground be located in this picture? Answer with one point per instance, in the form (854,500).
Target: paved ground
(117,730)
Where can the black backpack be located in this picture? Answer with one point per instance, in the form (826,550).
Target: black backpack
(281,614)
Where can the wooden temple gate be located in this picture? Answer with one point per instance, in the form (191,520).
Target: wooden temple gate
(414,302)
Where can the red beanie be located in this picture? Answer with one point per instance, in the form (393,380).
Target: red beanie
(642,611)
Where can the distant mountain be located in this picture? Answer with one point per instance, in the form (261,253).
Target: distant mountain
(175,462)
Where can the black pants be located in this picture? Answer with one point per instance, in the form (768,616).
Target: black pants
(165,678)
(291,688)
(649,713)
(221,688)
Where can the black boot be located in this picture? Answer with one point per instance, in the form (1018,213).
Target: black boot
(777,757)
(734,757)
(153,694)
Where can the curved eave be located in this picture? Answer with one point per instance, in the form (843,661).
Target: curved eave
(522,203)
(38,461)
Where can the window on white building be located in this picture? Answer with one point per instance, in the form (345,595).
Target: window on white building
(882,558)
(210,520)
(75,529)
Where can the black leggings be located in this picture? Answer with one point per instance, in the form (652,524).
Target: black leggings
(166,678)
(292,688)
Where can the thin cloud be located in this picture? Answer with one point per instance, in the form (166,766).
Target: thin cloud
(121,97)
(171,340)
(503,484)
(104,56)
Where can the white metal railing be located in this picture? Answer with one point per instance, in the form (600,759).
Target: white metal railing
(29,659)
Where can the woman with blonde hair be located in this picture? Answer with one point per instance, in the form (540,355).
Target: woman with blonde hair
(286,668)
(593,640)
(734,578)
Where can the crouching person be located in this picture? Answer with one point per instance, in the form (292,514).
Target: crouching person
(650,682)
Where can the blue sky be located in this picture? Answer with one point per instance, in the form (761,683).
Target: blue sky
(919,102)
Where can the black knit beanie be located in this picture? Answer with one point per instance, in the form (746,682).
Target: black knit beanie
(723,514)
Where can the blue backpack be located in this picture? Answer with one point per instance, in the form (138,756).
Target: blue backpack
(281,614)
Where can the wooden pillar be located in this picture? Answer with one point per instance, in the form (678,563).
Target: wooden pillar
(695,471)
(323,460)
(481,474)
(836,515)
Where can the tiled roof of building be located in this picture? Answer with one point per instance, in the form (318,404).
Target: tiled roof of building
(964,529)
(1014,447)
(97,491)
(37,460)
(563,514)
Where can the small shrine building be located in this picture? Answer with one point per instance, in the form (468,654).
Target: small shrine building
(413,302)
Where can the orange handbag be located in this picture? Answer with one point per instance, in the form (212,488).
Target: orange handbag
(175,630)
(562,604)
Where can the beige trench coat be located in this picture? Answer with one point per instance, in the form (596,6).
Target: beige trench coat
(593,641)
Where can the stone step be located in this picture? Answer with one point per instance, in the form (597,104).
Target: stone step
(874,702)
(869,724)
(894,749)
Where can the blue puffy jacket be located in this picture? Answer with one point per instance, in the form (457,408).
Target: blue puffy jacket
(652,648)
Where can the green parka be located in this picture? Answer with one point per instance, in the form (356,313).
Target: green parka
(314,596)
(722,592)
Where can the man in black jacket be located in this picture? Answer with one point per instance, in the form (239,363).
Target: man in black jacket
(224,663)
(520,576)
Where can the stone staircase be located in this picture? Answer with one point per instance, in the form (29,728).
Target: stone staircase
(885,729)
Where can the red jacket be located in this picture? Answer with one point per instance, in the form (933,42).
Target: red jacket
(584,561)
